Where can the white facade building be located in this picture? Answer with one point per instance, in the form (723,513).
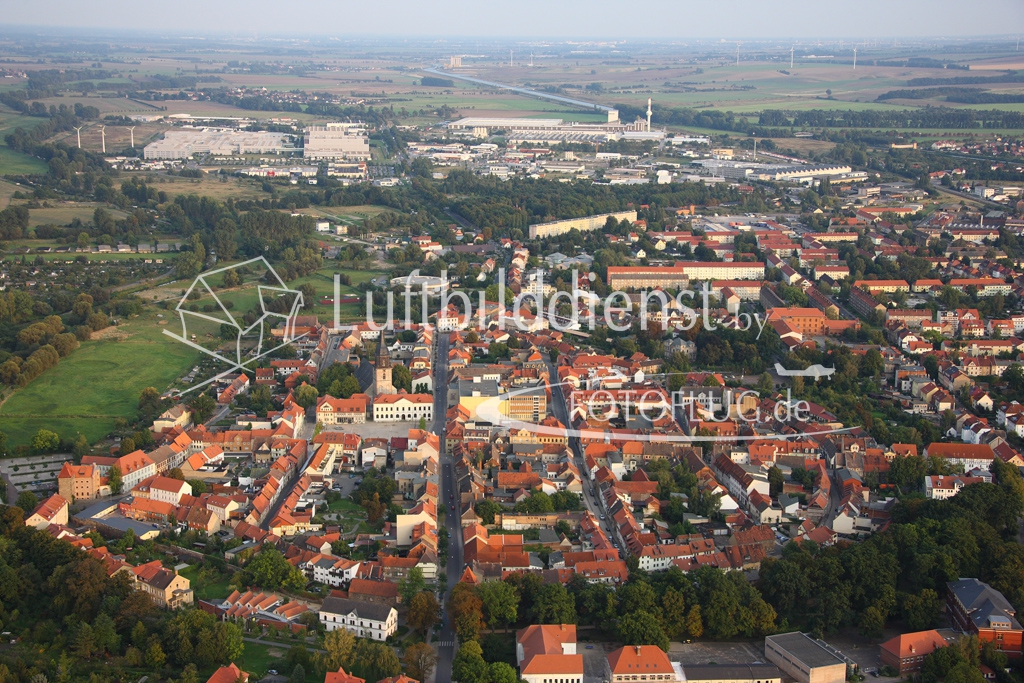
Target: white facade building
(364,619)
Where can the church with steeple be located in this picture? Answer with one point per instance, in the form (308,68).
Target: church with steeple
(382,385)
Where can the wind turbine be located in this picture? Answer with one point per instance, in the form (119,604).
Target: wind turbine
(131,131)
(854,59)
(791,57)
(103,138)
(648,114)
(738,53)
(79,131)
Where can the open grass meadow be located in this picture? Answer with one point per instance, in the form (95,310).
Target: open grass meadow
(7,191)
(218,187)
(11,162)
(258,658)
(208,584)
(97,383)
(323,281)
(65,212)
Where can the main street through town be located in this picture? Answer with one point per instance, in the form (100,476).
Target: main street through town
(448,501)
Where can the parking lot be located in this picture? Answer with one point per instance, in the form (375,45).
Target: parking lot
(594,661)
(376,430)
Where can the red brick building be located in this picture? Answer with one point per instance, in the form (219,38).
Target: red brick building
(976,607)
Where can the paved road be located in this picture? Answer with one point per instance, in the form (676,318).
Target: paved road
(971,197)
(834,499)
(447,643)
(285,492)
(559,408)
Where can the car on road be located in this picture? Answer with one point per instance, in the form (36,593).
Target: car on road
(453,508)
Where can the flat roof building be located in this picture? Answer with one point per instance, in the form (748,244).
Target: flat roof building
(183,143)
(682,274)
(731,673)
(585,224)
(336,141)
(804,659)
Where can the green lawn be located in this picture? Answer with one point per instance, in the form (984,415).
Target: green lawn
(258,658)
(216,587)
(344,505)
(97,383)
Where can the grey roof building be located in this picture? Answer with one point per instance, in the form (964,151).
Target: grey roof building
(976,606)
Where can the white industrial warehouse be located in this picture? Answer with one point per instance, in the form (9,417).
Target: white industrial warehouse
(183,143)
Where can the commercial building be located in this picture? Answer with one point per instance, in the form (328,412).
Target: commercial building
(804,659)
(585,224)
(682,273)
(977,608)
(336,141)
(805,173)
(473,123)
(364,619)
(906,652)
(519,131)
(183,143)
(526,405)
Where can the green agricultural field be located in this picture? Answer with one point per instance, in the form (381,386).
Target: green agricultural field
(98,383)
(62,215)
(345,214)
(323,281)
(7,190)
(16,163)
(11,162)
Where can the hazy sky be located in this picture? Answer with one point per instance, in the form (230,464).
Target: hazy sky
(655,19)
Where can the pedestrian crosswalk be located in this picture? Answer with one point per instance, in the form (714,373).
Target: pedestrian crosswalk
(446,643)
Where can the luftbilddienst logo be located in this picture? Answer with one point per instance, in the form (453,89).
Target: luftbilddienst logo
(213,307)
